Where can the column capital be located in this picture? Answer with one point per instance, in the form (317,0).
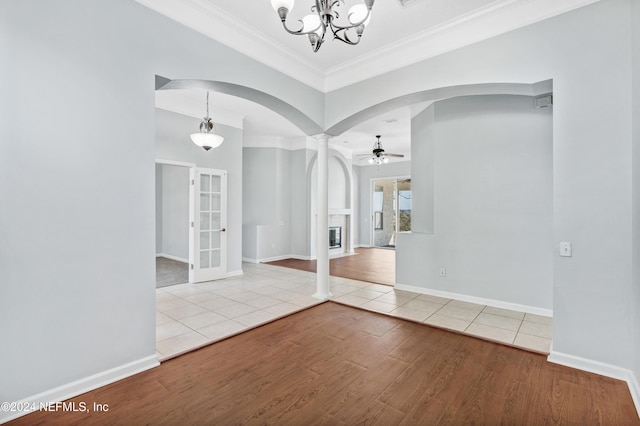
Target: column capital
(322,136)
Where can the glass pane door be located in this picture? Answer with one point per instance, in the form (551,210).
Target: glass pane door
(210,225)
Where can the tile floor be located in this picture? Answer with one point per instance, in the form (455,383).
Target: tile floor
(190,316)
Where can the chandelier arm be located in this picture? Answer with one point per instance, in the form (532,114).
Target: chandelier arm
(340,27)
(344,37)
(301,30)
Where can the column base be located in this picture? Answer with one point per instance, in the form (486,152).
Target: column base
(322,296)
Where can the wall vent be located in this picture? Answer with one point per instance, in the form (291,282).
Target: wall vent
(544,101)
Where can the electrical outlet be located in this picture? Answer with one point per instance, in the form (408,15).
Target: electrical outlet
(443,272)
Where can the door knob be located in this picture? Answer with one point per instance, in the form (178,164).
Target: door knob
(223,229)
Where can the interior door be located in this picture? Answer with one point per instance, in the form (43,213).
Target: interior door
(209,225)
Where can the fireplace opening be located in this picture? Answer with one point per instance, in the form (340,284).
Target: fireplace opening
(335,237)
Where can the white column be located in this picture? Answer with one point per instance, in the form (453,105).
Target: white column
(322,220)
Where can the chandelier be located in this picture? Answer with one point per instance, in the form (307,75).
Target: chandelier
(324,18)
(205,138)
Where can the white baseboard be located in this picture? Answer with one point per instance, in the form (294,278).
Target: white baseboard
(70,390)
(235,273)
(275,258)
(300,257)
(478,300)
(362,246)
(601,368)
(169,256)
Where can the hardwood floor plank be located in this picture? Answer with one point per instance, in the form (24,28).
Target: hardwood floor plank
(375,265)
(337,365)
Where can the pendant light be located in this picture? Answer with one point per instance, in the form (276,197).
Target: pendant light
(205,138)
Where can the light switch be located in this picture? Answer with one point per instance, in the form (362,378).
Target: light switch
(565,249)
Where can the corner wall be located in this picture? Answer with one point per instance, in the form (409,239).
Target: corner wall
(491,162)
(587,53)
(82,202)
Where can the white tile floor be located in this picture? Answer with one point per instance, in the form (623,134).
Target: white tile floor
(190,316)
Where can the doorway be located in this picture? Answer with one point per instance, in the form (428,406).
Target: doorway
(172,223)
(390,210)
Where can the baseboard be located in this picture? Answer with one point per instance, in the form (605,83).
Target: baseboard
(169,256)
(300,257)
(276,258)
(235,273)
(362,246)
(601,368)
(477,300)
(81,386)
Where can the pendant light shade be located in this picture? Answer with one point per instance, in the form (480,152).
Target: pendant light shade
(206,138)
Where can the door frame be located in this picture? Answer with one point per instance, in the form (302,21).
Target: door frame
(192,167)
(209,273)
(371,212)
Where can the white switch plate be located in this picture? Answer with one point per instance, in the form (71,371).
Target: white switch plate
(443,272)
(565,249)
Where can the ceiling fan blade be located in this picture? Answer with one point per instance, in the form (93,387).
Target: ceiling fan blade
(394,155)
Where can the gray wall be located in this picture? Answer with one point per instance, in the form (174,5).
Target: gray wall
(588,54)
(89,304)
(493,201)
(279,188)
(300,203)
(636,185)
(174,214)
(365,174)
(101,59)
(158,208)
(173,143)
(266,202)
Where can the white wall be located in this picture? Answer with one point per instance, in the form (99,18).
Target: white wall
(300,203)
(587,53)
(266,203)
(493,201)
(175,212)
(78,289)
(636,188)
(158,208)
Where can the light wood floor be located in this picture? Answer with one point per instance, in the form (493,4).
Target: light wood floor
(338,365)
(374,265)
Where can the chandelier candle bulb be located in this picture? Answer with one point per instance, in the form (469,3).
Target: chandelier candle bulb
(325,17)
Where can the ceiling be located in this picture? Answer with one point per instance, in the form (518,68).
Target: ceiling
(401,32)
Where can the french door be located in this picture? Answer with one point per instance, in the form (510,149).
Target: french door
(209,236)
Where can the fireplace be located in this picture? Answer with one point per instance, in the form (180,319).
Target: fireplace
(335,237)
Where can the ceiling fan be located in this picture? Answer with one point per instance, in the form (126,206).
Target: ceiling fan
(378,156)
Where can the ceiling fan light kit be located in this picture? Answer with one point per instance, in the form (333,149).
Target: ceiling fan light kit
(378,155)
(325,17)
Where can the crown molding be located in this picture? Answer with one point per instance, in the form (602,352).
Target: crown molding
(260,141)
(211,21)
(496,18)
